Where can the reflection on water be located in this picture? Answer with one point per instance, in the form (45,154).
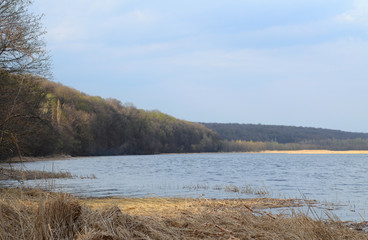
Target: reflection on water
(339,180)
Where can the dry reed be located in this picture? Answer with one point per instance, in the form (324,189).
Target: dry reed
(16,174)
(40,215)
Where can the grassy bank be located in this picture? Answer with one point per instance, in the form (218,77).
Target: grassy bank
(32,214)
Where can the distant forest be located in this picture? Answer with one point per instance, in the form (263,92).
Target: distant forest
(280,134)
(258,137)
(40,118)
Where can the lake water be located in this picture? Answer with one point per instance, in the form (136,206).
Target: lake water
(337,181)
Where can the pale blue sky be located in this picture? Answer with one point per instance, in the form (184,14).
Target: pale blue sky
(284,62)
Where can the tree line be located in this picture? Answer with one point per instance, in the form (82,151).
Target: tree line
(257,137)
(279,134)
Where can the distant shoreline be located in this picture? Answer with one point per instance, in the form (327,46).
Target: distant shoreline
(65,157)
(317,151)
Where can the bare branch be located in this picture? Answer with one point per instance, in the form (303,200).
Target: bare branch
(22,48)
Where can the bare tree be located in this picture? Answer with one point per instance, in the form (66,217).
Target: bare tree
(22,48)
(22,54)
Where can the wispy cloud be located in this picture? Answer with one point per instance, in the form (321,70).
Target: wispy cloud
(92,20)
(358,15)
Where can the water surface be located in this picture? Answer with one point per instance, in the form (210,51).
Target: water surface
(338,179)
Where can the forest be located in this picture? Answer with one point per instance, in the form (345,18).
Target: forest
(39,118)
(280,134)
(257,137)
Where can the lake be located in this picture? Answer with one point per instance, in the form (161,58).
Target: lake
(338,181)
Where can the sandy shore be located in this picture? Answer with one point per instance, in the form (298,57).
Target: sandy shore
(319,152)
(172,206)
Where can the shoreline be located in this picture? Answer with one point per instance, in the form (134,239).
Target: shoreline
(21,175)
(65,157)
(36,159)
(316,151)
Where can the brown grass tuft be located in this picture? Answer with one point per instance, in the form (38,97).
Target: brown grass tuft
(58,217)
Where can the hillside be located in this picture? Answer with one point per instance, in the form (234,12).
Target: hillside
(39,117)
(280,134)
(255,138)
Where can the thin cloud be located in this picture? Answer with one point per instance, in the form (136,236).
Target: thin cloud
(357,15)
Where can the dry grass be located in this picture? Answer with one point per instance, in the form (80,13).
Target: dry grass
(35,159)
(247,189)
(15,174)
(40,215)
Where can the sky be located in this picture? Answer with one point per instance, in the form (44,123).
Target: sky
(280,62)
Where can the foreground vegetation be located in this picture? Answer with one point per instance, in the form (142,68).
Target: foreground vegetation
(33,214)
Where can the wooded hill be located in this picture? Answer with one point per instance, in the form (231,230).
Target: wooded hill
(280,134)
(253,138)
(39,117)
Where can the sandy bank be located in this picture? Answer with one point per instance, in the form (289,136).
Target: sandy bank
(318,152)
(173,206)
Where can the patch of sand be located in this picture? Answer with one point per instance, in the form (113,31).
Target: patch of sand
(319,152)
(173,206)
